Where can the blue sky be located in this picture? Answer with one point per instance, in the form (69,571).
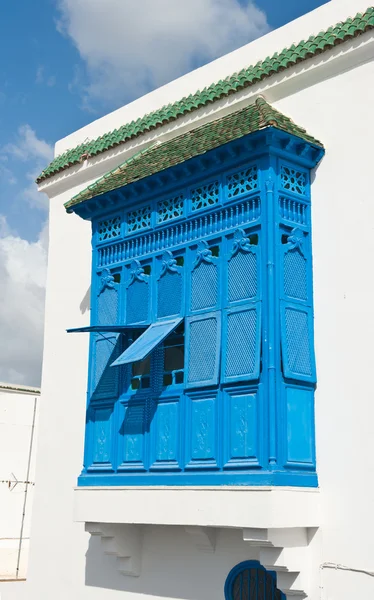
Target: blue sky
(72,61)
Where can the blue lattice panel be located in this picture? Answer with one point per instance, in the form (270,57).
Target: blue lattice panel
(297,342)
(107,307)
(295,275)
(204,286)
(242,335)
(169,294)
(105,379)
(242,276)
(137,302)
(203,340)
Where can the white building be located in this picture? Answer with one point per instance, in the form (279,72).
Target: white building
(215,467)
(18,430)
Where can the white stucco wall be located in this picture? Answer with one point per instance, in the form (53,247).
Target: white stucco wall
(18,425)
(332,99)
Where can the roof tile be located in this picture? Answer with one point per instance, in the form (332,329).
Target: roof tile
(162,156)
(296,53)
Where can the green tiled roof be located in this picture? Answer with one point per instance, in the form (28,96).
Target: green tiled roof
(158,157)
(316,44)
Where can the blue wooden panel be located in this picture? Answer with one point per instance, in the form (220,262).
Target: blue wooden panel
(297,342)
(105,381)
(165,434)
(203,345)
(300,426)
(241,428)
(295,283)
(138,302)
(107,306)
(242,343)
(201,443)
(132,432)
(102,436)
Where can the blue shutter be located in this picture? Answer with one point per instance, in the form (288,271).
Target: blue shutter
(241,343)
(203,342)
(137,295)
(296,314)
(104,382)
(169,287)
(204,279)
(297,342)
(242,269)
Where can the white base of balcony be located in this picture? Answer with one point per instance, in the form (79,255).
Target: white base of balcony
(122,541)
(287,552)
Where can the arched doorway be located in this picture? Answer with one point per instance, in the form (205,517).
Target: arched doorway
(251,581)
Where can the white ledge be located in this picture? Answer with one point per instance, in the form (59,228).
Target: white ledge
(238,507)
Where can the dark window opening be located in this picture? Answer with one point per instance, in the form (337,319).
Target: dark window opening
(140,375)
(253,239)
(180,261)
(214,250)
(147,269)
(117,277)
(285,238)
(174,358)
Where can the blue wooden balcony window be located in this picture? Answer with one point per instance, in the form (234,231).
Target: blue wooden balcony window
(202,367)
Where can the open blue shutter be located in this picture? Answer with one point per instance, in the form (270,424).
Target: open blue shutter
(203,342)
(296,314)
(106,347)
(242,342)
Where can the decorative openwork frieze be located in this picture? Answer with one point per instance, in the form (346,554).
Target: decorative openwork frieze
(109,228)
(205,196)
(293,180)
(139,219)
(242,182)
(218,221)
(169,209)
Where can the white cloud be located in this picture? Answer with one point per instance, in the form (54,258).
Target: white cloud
(130,47)
(41,77)
(22,288)
(28,146)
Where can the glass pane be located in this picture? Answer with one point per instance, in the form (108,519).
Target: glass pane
(179,377)
(168,379)
(135,384)
(146,382)
(174,358)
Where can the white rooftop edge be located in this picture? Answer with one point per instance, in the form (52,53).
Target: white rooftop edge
(21,389)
